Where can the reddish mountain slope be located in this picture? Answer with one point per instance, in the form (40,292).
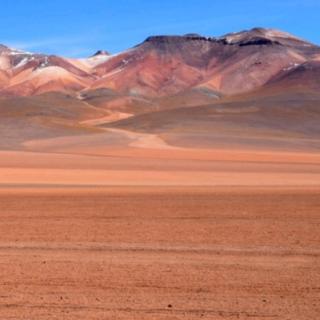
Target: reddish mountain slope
(306,75)
(24,74)
(263,119)
(162,66)
(235,63)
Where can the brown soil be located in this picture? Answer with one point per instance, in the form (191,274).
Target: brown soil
(159,253)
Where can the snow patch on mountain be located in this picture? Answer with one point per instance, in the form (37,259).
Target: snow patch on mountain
(14,52)
(23,62)
(96,60)
(292,66)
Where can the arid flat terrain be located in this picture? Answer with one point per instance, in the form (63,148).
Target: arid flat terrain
(89,231)
(160,253)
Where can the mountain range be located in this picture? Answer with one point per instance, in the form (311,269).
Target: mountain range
(258,87)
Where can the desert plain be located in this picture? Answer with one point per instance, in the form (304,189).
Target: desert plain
(152,231)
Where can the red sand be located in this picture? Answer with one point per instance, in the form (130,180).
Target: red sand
(237,238)
(159,253)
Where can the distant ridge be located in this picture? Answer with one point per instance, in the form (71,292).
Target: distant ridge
(162,65)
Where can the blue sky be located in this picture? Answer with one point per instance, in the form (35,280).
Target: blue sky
(78,28)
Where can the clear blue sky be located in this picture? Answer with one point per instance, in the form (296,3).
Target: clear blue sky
(78,28)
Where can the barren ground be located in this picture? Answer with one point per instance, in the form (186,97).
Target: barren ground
(159,253)
(89,231)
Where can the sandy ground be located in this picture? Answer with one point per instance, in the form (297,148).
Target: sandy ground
(124,226)
(159,167)
(144,140)
(126,158)
(159,253)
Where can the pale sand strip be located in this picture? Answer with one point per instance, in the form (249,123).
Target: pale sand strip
(136,177)
(144,140)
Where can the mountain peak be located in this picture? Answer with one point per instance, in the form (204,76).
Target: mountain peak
(101,53)
(262,36)
(173,38)
(255,36)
